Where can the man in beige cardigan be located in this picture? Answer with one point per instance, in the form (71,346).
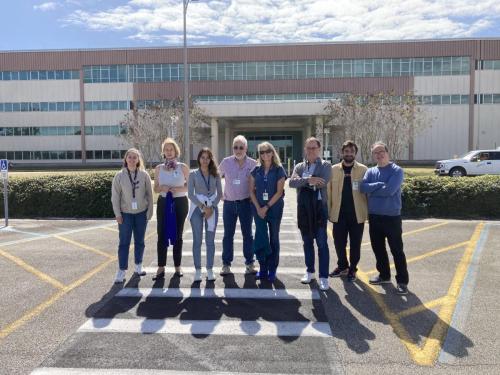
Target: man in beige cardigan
(347,209)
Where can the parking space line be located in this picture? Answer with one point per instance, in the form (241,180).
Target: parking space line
(428,353)
(41,275)
(427,255)
(432,347)
(423,307)
(44,235)
(86,247)
(49,302)
(110,229)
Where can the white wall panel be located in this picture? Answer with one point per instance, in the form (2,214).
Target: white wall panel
(40,143)
(39,118)
(447,135)
(40,91)
(487,82)
(245,109)
(105,142)
(108,91)
(104,117)
(444,85)
(487,130)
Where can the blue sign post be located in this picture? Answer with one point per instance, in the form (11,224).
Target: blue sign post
(4,170)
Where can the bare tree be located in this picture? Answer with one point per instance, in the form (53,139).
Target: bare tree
(366,119)
(145,128)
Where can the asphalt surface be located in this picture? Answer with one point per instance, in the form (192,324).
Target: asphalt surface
(62,314)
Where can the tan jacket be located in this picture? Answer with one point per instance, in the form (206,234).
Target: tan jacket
(121,193)
(334,190)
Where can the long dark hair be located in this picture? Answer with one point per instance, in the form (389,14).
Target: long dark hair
(212,167)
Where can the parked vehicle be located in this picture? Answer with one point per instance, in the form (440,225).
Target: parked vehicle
(473,163)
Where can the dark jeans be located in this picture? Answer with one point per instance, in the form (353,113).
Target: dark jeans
(136,224)
(390,227)
(323,251)
(181,211)
(348,226)
(232,210)
(273,220)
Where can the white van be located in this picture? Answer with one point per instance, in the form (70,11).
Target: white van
(473,163)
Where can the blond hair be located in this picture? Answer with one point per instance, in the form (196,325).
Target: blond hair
(276,161)
(140,163)
(171,141)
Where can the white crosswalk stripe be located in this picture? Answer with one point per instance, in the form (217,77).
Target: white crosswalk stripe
(220,293)
(206,327)
(236,270)
(105,371)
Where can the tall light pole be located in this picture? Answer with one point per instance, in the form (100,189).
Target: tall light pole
(187,153)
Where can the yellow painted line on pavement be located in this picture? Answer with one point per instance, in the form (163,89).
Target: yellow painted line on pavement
(41,275)
(428,354)
(404,233)
(49,302)
(423,307)
(86,247)
(110,229)
(56,296)
(428,254)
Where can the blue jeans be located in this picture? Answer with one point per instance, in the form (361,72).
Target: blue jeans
(197,227)
(132,223)
(323,251)
(232,210)
(273,219)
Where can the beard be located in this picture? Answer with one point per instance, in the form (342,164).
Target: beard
(348,159)
(239,157)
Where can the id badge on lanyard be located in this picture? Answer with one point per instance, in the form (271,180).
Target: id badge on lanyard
(134,205)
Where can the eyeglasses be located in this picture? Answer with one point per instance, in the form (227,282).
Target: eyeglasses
(241,148)
(312,148)
(379,152)
(268,151)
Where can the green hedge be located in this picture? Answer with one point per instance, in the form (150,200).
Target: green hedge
(449,197)
(89,196)
(77,195)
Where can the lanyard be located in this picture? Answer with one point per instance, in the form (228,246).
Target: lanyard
(134,182)
(207,183)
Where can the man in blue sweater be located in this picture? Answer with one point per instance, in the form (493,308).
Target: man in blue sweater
(382,184)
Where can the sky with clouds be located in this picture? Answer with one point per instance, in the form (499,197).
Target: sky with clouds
(62,24)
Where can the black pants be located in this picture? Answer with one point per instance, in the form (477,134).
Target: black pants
(181,211)
(390,227)
(348,226)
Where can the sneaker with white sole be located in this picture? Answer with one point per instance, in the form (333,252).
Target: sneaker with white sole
(401,289)
(323,283)
(197,275)
(250,269)
(226,270)
(307,278)
(139,271)
(120,277)
(210,275)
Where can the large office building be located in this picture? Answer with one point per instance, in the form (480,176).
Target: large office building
(65,107)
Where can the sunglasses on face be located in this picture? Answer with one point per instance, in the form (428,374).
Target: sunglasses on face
(241,148)
(262,152)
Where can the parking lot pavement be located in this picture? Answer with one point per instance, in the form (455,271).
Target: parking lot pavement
(61,314)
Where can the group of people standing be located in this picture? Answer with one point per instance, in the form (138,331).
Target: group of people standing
(347,194)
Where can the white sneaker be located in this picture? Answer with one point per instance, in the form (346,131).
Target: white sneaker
(307,278)
(139,271)
(210,275)
(120,277)
(323,283)
(197,275)
(226,270)
(250,269)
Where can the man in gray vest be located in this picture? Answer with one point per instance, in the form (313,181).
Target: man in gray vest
(310,178)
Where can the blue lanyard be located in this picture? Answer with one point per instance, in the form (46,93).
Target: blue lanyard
(207,183)
(134,182)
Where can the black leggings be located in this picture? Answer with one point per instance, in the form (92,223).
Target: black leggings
(181,211)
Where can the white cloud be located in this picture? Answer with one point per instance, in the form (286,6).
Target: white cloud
(268,21)
(45,7)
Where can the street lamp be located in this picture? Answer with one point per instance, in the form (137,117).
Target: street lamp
(187,152)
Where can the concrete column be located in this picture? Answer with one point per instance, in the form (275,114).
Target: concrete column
(214,136)
(307,132)
(227,141)
(319,128)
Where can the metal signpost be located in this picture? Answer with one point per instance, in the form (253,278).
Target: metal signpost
(4,170)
